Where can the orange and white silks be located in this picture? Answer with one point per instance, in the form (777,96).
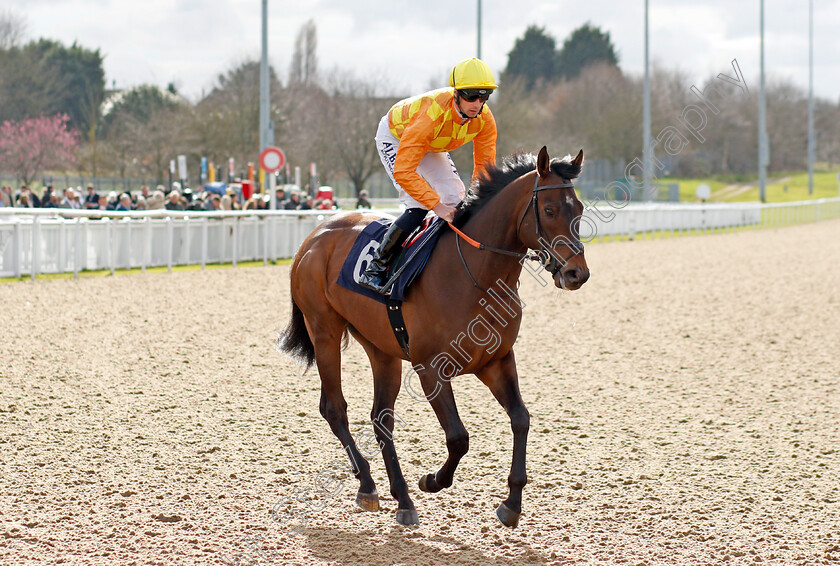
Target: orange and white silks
(430,123)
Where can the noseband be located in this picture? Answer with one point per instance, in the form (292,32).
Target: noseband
(544,256)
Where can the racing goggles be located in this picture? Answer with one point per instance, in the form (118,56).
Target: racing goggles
(473,94)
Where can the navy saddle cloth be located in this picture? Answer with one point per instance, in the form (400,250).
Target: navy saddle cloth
(368,242)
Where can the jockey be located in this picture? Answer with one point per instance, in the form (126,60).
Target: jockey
(413,141)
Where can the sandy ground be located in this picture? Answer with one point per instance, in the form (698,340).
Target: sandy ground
(685,409)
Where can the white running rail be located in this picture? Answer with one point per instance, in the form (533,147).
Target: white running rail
(34,241)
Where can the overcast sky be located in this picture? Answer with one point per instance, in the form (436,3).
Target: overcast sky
(414,43)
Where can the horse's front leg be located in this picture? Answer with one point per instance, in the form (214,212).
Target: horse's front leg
(503,381)
(440,396)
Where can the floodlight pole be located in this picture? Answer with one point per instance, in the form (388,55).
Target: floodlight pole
(266,130)
(811,140)
(646,147)
(763,150)
(479,29)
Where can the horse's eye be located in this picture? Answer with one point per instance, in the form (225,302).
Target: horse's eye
(549,211)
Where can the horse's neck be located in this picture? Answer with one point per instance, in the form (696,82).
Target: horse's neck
(496,224)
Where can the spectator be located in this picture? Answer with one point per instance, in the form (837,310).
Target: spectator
(196,203)
(363,201)
(77,202)
(307,202)
(66,199)
(23,201)
(156,201)
(141,203)
(145,192)
(214,202)
(103,203)
(294,201)
(234,199)
(174,202)
(47,196)
(6,196)
(92,198)
(31,197)
(113,202)
(251,203)
(34,201)
(125,203)
(225,203)
(281,198)
(326,204)
(55,200)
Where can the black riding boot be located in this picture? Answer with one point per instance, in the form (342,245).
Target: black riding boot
(374,277)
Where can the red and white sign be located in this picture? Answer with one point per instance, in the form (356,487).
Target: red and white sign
(272,159)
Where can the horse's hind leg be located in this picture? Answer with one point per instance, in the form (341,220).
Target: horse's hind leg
(386,386)
(326,339)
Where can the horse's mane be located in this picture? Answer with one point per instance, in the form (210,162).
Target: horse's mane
(498,177)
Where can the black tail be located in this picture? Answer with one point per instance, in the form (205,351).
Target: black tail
(295,340)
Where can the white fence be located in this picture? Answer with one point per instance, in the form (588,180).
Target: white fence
(669,218)
(36,241)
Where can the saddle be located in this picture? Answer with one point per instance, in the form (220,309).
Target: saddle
(402,271)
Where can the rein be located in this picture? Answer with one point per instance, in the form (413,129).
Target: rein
(544,256)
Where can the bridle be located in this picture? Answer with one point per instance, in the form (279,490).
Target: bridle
(544,256)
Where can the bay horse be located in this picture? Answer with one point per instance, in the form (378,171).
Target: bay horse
(462,314)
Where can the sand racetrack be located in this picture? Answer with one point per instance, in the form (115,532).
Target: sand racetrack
(685,409)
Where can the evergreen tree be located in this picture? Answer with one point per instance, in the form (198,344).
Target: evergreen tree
(44,78)
(587,45)
(532,57)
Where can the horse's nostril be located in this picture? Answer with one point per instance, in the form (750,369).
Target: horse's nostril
(576,276)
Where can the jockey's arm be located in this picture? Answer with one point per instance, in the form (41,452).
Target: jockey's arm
(484,146)
(413,147)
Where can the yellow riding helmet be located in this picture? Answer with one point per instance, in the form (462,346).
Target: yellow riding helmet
(472,74)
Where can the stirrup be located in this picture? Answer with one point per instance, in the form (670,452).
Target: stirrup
(374,282)
(377,278)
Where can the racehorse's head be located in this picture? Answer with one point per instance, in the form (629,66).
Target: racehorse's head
(553,220)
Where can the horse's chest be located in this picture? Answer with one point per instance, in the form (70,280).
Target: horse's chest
(487,334)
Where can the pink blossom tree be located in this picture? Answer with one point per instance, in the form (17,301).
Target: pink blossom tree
(32,146)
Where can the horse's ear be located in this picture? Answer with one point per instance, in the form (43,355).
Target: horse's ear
(578,158)
(543,162)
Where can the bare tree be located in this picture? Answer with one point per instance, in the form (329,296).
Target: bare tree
(226,119)
(143,128)
(600,109)
(12,29)
(304,68)
(827,125)
(787,126)
(351,114)
(521,120)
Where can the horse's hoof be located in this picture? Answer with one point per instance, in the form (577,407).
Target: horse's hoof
(507,516)
(428,484)
(407,517)
(368,501)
